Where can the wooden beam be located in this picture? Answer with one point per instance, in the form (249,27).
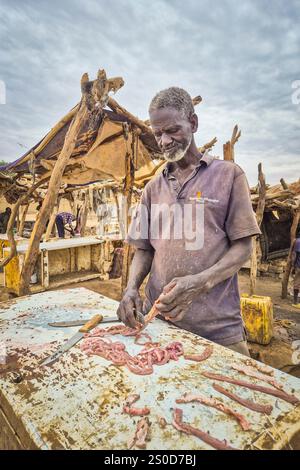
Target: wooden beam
(128,189)
(228,147)
(259,217)
(283,184)
(10,226)
(52,220)
(84,213)
(285,280)
(23,220)
(208,146)
(88,108)
(114,106)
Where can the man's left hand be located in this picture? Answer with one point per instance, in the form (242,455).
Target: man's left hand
(178,295)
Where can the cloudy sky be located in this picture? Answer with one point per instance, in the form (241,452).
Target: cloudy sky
(241,57)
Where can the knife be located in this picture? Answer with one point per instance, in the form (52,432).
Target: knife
(89,325)
(66,324)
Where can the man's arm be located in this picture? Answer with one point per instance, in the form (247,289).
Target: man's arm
(174,305)
(131,301)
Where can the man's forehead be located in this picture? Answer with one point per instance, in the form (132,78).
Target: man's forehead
(166,117)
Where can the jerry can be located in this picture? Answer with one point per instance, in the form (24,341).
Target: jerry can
(257,314)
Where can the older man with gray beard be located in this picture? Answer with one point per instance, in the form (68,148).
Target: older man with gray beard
(196,284)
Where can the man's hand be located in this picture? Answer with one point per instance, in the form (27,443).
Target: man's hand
(130,303)
(293,271)
(178,295)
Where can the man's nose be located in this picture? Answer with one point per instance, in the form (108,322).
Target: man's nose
(166,140)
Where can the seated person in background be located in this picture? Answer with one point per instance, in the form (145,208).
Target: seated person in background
(63,219)
(4,218)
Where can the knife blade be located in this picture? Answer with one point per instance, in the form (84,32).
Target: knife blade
(66,324)
(89,325)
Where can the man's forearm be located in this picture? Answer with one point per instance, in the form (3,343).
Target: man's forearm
(230,263)
(140,268)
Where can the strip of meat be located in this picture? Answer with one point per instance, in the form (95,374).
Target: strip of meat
(266,409)
(246,370)
(218,405)
(141,364)
(270,391)
(205,437)
(200,357)
(260,367)
(148,344)
(129,409)
(113,330)
(142,434)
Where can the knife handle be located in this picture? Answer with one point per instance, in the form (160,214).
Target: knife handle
(91,323)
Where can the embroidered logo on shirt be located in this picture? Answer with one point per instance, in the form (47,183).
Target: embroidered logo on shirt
(202,200)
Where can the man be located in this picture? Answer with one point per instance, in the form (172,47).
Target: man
(4,218)
(296,270)
(196,286)
(62,220)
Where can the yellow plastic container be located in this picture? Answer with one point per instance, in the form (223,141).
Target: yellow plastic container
(257,314)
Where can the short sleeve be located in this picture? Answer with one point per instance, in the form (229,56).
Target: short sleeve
(138,232)
(241,220)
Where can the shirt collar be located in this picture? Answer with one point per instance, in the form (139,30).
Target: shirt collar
(206,159)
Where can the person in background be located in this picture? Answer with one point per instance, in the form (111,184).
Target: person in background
(4,218)
(63,222)
(296,270)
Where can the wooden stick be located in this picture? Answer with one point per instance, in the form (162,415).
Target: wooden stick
(129,181)
(11,222)
(228,147)
(208,146)
(50,135)
(227,152)
(283,184)
(84,214)
(52,220)
(285,280)
(120,110)
(259,216)
(23,219)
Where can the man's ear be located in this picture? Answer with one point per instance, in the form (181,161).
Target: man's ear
(194,122)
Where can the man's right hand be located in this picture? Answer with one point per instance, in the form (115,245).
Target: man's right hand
(130,303)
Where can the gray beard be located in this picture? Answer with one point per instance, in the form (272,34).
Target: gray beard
(179,154)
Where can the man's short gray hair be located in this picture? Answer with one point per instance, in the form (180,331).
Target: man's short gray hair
(173,97)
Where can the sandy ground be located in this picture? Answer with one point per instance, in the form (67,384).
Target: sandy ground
(280,353)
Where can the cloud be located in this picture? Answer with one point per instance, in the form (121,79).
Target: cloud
(241,57)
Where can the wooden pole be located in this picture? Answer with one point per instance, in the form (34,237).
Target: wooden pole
(84,213)
(283,183)
(11,223)
(228,147)
(129,181)
(52,220)
(259,216)
(114,106)
(208,146)
(23,220)
(87,107)
(285,280)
